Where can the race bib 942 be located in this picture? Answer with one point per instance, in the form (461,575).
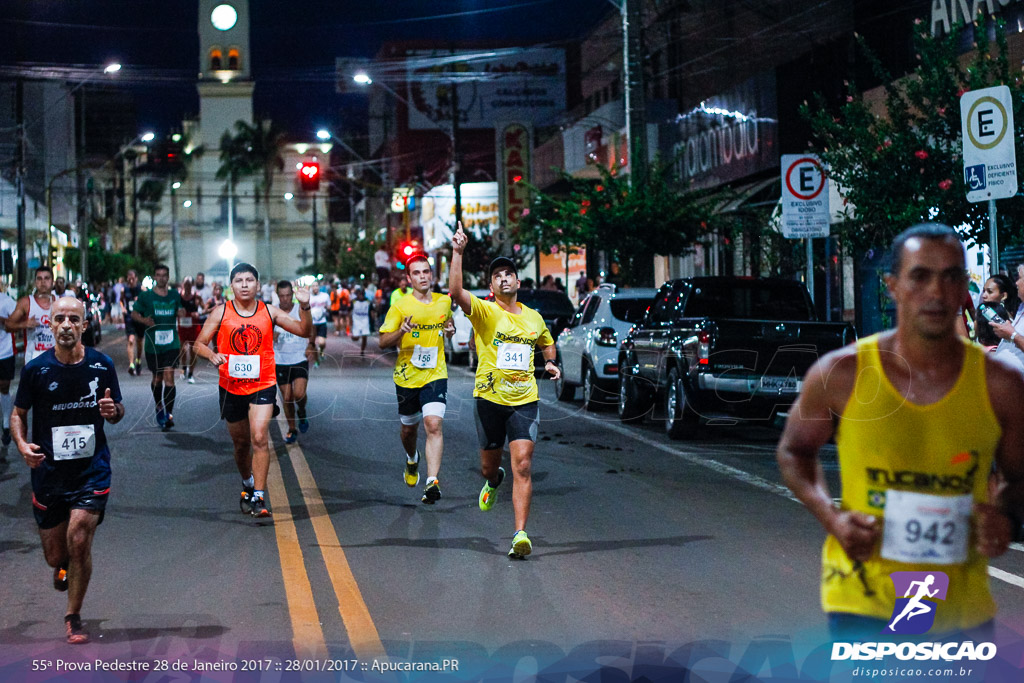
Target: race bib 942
(922,528)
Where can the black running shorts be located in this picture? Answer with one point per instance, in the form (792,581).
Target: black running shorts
(7,368)
(411,401)
(158,362)
(235,407)
(286,374)
(54,507)
(495,423)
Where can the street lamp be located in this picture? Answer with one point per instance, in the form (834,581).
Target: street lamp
(227,251)
(363,78)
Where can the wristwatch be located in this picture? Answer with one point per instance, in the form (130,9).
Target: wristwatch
(1013,336)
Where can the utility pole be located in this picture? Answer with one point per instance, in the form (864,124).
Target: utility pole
(316,240)
(174,230)
(636,107)
(22,279)
(455,152)
(135,205)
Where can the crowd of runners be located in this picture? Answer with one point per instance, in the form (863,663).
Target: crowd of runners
(262,340)
(941,410)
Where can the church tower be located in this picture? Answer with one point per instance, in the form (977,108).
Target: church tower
(225,69)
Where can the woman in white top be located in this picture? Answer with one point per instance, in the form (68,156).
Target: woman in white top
(1011,348)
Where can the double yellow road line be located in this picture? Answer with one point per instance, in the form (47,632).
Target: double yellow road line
(307,632)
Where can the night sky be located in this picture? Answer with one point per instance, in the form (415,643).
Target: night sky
(294,45)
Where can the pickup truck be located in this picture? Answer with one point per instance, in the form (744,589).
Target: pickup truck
(720,350)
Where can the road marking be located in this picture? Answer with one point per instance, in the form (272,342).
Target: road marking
(362,633)
(307,634)
(736,473)
(1006,576)
(720,467)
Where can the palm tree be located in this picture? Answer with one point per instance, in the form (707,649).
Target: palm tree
(181,173)
(234,165)
(257,150)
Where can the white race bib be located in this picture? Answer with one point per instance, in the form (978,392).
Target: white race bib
(163,337)
(73,442)
(514,357)
(926,529)
(185,322)
(424,357)
(244,367)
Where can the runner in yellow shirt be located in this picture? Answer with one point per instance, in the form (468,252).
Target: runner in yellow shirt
(507,333)
(919,415)
(415,324)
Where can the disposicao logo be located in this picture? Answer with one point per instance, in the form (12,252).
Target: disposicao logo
(914,613)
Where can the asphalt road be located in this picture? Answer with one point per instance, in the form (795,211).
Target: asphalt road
(649,555)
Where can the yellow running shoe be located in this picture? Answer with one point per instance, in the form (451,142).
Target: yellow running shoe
(412,471)
(521,546)
(489,493)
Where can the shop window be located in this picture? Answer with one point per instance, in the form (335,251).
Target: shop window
(216,59)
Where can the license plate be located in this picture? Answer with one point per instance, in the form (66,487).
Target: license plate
(780,383)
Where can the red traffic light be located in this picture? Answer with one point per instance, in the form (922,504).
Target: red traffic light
(309,176)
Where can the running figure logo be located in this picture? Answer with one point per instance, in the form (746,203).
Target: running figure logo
(912,615)
(94,386)
(246,340)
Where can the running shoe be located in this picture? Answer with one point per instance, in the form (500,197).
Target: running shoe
(131,369)
(76,634)
(292,436)
(191,379)
(412,472)
(168,423)
(260,507)
(161,418)
(138,367)
(6,438)
(432,493)
(60,578)
(521,546)
(245,503)
(488,494)
(303,422)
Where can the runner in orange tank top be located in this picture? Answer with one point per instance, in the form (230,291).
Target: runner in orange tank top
(244,331)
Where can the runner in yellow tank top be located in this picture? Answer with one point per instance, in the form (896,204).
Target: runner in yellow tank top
(919,415)
(417,324)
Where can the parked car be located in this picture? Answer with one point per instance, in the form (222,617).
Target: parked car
(554,307)
(722,348)
(93,332)
(588,348)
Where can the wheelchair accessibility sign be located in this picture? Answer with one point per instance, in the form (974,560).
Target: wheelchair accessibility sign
(990,160)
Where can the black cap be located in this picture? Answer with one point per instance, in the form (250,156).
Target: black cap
(502,262)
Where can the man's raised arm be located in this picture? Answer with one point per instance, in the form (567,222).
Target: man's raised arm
(455,290)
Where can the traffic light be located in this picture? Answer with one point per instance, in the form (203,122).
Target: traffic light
(309,176)
(406,248)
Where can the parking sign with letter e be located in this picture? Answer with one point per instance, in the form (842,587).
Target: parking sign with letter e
(990,160)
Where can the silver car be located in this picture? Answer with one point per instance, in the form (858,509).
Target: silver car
(588,348)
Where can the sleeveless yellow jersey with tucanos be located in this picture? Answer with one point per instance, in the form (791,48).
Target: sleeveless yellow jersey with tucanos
(421,352)
(918,469)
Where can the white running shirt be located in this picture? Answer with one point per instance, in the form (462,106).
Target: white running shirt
(39,339)
(289,348)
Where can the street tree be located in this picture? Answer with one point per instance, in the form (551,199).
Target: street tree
(900,162)
(632,223)
(262,146)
